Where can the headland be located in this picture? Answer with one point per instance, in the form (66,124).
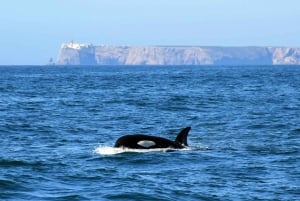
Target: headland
(88,54)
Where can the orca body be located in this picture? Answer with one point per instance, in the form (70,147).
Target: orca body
(140,141)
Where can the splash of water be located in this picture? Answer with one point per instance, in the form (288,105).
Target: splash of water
(107,150)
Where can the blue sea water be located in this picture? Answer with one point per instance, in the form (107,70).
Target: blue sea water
(58,126)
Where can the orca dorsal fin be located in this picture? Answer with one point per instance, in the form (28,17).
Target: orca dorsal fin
(182,136)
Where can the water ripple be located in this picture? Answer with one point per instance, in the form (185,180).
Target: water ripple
(244,138)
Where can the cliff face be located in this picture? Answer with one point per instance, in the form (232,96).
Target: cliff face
(85,54)
(76,54)
(285,55)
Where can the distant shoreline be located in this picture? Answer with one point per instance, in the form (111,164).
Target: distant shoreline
(132,66)
(88,54)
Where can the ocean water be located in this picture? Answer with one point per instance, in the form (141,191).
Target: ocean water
(58,126)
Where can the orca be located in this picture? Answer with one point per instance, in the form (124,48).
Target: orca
(141,141)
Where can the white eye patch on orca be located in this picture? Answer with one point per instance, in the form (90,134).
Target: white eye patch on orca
(146,143)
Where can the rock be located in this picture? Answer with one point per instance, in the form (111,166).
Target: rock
(76,54)
(285,55)
(87,54)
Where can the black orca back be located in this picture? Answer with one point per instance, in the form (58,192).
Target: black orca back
(133,141)
(140,141)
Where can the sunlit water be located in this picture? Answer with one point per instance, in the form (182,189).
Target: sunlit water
(58,126)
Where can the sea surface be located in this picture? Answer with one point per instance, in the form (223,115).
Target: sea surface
(58,126)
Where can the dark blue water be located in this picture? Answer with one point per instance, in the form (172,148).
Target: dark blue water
(52,119)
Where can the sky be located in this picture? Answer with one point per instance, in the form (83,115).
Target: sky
(32,31)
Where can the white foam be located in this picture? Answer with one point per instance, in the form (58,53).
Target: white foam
(107,150)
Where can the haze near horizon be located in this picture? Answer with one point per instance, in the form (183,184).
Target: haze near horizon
(32,31)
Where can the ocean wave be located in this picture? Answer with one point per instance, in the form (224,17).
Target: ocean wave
(108,150)
(19,163)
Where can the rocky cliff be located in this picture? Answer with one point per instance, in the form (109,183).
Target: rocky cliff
(87,54)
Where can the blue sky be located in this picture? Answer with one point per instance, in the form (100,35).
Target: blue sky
(32,30)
